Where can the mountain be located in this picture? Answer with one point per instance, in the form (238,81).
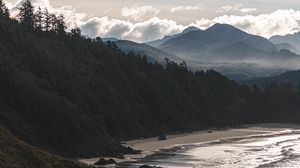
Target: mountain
(18,154)
(293,39)
(235,71)
(239,49)
(199,44)
(232,52)
(158,42)
(153,54)
(287,46)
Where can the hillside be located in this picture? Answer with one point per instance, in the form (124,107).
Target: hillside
(15,153)
(287,77)
(76,96)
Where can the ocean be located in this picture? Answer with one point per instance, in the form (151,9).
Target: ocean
(279,149)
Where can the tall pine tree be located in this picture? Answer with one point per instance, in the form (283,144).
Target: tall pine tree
(26,15)
(38,19)
(61,26)
(47,20)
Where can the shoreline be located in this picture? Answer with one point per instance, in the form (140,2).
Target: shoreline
(150,145)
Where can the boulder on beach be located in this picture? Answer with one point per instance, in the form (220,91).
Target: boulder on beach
(162,136)
(129,150)
(103,161)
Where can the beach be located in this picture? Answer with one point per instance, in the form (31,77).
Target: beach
(151,145)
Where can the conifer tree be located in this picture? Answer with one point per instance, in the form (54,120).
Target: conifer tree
(26,14)
(38,17)
(53,22)
(60,26)
(46,20)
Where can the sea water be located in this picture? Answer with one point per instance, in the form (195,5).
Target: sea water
(279,149)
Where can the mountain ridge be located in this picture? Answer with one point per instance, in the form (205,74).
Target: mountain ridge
(292,39)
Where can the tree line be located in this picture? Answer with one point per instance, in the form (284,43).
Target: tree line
(39,20)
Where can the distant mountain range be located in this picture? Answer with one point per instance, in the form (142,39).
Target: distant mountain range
(292,39)
(222,47)
(209,44)
(236,71)
(287,46)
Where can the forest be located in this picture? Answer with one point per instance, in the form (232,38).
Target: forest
(76,96)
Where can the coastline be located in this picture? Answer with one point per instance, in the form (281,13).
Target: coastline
(150,145)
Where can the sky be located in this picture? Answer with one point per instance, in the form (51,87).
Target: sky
(146,20)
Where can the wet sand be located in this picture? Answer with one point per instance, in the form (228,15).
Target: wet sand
(150,145)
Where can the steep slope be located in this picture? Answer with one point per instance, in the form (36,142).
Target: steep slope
(76,96)
(15,153)
(239,49)
(293,39)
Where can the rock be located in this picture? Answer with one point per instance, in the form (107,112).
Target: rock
(102,161)
(146,166)
(162,136)
(210,131)
(129,150)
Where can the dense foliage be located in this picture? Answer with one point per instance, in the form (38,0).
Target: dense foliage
(18,154)
(76,96)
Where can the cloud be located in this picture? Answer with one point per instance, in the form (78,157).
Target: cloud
(153,28)
(140,31)
(106,27)
(139,13)
(185,8)
(235,8)
(280,22)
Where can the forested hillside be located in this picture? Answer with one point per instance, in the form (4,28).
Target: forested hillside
(77,96)
(18,154)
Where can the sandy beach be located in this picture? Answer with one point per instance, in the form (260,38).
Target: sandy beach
(150,145)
